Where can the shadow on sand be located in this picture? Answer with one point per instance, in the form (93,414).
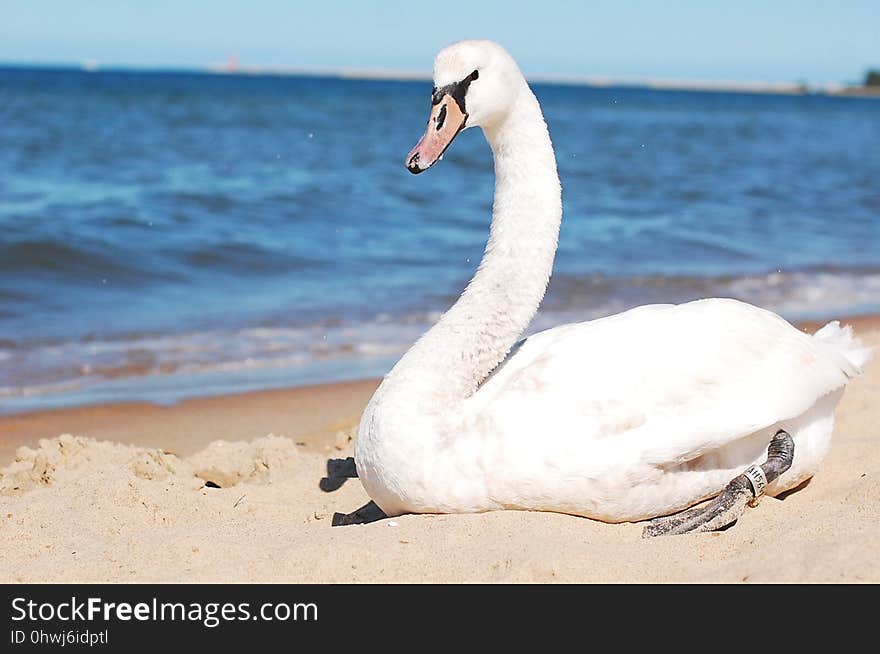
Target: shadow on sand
(792,491)
(338,471)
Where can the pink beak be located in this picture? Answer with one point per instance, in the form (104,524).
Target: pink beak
(446,121)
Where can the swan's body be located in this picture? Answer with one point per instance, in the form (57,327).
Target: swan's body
(627,417)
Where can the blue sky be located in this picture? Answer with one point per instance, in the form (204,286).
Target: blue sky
(771,40)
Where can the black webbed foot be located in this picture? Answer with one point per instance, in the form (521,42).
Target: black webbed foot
(728,506)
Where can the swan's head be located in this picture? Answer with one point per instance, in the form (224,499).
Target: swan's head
(475,85)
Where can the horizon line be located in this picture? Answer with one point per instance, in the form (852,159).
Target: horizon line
(403,75)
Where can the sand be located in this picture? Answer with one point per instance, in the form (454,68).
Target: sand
(129,492)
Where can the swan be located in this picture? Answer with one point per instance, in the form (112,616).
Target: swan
(629,417)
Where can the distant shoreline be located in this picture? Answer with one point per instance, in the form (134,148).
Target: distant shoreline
(388,75)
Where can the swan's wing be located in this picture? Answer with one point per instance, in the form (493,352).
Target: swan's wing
(674,381)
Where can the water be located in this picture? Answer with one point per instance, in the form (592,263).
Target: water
(165,235)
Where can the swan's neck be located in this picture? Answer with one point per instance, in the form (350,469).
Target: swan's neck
(451,360)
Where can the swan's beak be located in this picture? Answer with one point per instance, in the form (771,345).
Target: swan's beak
(446,121)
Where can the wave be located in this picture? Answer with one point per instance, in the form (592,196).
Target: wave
(80,260)
(810,293)
(38,256)
(334,347)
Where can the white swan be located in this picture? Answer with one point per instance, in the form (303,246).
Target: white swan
(628,417)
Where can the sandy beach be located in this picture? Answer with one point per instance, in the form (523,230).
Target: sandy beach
(229,489)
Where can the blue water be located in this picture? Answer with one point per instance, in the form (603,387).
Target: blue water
(172,234)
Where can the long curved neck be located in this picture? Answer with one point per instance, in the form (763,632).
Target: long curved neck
(450,361)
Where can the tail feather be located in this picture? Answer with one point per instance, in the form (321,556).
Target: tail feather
(842,342)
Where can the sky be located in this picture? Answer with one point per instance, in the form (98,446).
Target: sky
(743,40)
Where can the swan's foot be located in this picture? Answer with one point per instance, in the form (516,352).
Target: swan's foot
(727,507)
(369,512)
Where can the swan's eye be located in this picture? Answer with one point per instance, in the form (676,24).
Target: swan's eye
(441,117)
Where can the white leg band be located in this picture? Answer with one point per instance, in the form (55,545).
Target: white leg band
(757,479)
